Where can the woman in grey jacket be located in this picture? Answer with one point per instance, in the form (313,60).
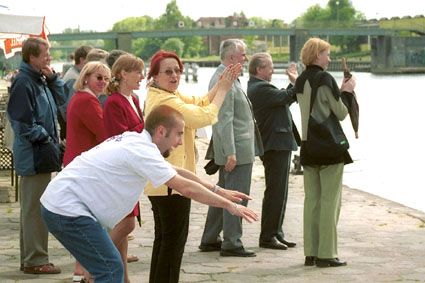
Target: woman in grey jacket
(322,173)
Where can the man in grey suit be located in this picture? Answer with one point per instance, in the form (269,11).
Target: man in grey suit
(271,111)
(236,142)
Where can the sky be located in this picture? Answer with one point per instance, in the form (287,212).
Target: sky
(102,14)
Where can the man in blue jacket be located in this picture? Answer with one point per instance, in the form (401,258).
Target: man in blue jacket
(33,115)
(274,120)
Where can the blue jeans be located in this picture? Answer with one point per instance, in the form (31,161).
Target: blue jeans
(89,243)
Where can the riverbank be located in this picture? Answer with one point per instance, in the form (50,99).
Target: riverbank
(382,241)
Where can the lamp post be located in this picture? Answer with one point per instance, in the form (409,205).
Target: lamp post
(337,15)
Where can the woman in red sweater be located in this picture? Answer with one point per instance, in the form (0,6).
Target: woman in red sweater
(84,114)
(84,128)
(122,113)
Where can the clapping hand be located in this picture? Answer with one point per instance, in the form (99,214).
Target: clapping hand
(292,73)
(229,75)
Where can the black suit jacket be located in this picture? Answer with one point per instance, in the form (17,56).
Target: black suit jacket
(271,111)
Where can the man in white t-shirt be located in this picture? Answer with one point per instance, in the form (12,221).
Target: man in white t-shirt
(89,195)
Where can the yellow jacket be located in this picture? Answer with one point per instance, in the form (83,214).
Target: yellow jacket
(197,111)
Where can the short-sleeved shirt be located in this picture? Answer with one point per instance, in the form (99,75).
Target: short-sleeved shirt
(106,182)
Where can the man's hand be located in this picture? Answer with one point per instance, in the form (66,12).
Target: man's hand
(244,212)
(47,71)
(233,195)
(230,163)
(292,73)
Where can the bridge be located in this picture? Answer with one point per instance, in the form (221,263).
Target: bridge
(221,32)
(388,50)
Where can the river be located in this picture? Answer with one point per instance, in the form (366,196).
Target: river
(387,160)
(387,156)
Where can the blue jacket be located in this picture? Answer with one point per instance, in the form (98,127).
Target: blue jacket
(32,113)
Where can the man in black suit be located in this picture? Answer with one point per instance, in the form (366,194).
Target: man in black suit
(274,119)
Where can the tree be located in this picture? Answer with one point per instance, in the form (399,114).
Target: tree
(337,14)
(134,24)
(276,23)
(146,47)
(173,45)
(171,18)
(249,41)
(193,47)
(258,22)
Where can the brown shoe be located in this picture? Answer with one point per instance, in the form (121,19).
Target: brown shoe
(49,268)
(21,268)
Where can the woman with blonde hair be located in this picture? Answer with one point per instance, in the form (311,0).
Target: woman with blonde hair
(85,115)
(321,102)
(122,113)
(84,128)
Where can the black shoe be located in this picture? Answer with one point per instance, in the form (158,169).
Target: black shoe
(330,262)
(273,244)
(240,252)
(310,260)
(286,242)
(210,247)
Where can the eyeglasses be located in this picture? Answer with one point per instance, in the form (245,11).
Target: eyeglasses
(102,78)
(169,73)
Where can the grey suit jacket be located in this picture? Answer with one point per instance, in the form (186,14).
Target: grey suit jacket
(236,131)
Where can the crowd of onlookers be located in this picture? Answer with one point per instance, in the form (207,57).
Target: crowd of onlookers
(57,117)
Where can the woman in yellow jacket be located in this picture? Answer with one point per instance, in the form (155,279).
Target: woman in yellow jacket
(171,210)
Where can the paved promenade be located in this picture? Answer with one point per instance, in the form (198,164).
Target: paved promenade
(382,241)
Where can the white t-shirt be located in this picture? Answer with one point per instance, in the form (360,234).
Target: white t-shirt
(106,182)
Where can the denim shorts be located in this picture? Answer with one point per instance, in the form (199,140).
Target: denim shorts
(89,243)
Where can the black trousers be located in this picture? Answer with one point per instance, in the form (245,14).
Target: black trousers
(276,170)
(171,218)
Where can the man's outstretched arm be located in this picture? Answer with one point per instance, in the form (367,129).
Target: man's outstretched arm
(193,187)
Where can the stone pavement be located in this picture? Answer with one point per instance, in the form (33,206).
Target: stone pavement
(382,241)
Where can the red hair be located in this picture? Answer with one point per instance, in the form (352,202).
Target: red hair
(156,60)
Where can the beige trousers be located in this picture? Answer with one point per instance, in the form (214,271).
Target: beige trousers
(33,232)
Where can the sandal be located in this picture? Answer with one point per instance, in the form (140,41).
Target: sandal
(49,268)
(132,258)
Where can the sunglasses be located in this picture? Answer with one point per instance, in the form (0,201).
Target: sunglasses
(102,78)
(169,73)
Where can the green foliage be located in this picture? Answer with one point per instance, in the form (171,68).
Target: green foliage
(259,22)
(276,23)
(337,14)
(146,47)
(134,24)
(194,47)
(171,18)
(249,41)
(173,45)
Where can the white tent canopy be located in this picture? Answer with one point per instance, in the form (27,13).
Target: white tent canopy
(14,29)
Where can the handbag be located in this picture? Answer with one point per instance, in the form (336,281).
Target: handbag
(325,139)
(211,168)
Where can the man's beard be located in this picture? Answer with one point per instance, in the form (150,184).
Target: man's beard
(166,153)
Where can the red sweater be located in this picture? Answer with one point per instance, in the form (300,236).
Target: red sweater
(119,116)
(84,128)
